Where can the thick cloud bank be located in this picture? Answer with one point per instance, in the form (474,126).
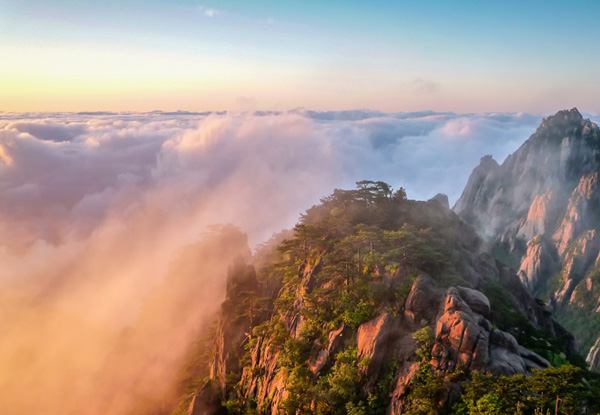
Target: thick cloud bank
(95,206)
(63,174)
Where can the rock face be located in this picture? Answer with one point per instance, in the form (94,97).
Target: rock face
(537,262)
(375,341)
(207,401)
(422,301)
(480,188)
(540,210)
(442,199)
(465,337)
(538,215)
(593,358)
(234,324)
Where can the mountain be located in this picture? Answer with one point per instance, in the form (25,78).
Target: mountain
(539,212)
(376,304)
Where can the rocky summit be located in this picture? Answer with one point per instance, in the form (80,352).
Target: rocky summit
(539,212)
(376,304)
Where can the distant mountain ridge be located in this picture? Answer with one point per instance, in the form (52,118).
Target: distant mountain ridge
(540,212)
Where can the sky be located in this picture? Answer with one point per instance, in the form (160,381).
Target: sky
(130,55)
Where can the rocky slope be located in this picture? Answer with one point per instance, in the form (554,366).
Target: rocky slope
(539,211)
(376,304)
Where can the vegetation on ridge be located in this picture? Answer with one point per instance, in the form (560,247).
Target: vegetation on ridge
(352,258)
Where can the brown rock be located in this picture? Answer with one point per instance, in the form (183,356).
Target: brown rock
(593,357)
(207,401)
(406,373)
(535,223)
(536,264)
(322,356)
(375,339)
(464,337)
(577,259)
(576,212)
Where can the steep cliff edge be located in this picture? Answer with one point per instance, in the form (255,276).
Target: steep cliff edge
(377,304)
(540,212)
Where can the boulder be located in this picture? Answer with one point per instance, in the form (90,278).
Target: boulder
(476,300)
(464,338)
(422,301)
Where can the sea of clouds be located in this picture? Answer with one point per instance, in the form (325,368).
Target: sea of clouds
(95,206)
(61,175)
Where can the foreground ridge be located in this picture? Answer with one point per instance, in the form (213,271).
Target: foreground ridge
(378,304)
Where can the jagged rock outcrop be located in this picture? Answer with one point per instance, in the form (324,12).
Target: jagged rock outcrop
(207,401)
(593,357)
(235,323)
(375,341)
(263,380)
(537,217)
(537,262)
(576,262)
(442,199)
(540,211)
(422,301)
(407,372)
(321,355)
(480,188)
(465,338)
(577,215)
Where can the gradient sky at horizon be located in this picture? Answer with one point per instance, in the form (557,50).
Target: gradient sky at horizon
(468,56)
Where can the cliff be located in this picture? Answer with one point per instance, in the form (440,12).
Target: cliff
(539,211)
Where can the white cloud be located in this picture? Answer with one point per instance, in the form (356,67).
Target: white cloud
(208,11)
(59,162)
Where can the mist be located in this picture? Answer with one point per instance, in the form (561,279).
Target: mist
(108,271)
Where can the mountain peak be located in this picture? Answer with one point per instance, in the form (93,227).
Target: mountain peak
(564,121)
(568,115)
(488,162)
(539,210)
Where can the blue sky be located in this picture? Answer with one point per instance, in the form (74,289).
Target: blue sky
(393,56)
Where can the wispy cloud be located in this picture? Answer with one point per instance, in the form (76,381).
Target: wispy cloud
(424,86)
(208,11)
(246,103)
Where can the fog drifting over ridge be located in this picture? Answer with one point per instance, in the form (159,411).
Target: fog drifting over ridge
(95,206)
